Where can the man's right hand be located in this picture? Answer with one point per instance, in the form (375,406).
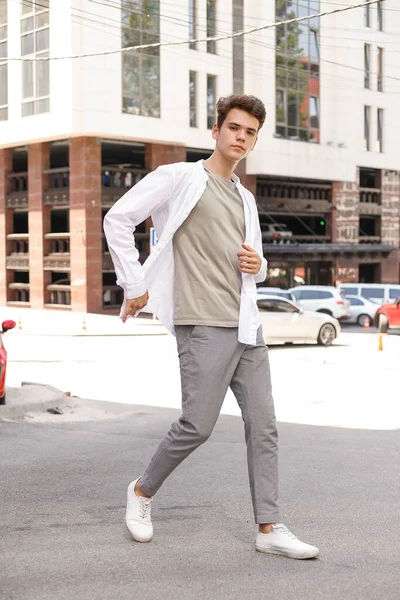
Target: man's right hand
(132,306)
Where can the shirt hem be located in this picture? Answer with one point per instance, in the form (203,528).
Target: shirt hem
(207,323)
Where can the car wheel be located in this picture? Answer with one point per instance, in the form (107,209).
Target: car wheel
(3,400)
(325,311)
(383,324)
(326,335)
(364,321)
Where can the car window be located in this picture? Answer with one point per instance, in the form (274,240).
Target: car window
(309,295)
(281,228)
(348,289)
(394,293)
(372,292)
(276,306)
(343,295)
(297,294)
(355,301)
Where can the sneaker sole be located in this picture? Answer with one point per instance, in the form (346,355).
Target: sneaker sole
(138,538)
(288,554)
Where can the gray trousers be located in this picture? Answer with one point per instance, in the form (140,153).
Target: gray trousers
(211,360)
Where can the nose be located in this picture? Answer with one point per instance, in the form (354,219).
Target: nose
(240,136)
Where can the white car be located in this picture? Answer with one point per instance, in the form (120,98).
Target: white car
(323,298)
(362,311)
(273,291)
(275,233)
(284,322)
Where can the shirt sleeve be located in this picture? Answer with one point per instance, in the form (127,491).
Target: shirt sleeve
(135,206)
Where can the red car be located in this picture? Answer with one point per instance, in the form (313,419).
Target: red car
(6,325)
(388,316)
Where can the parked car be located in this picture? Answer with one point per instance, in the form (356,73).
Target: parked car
(323,298)
(362,311)
(388,316)
(380,293)
(6,326)
(285,322)
(275,233)
(275,291)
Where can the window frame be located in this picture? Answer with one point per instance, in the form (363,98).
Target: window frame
(379,69)
(367,66)
(367,128)
(211,27)
(213,114)
(193,113)
(379,129)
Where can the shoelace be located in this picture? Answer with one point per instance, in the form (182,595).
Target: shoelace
(144,508)
(283,529)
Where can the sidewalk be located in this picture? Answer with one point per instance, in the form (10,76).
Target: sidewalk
(32,397)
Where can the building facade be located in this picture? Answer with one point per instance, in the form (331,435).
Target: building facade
(77,131)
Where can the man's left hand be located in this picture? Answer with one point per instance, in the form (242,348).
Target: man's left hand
(250,261)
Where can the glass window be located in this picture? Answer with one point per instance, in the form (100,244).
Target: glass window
(141,68)
(27,44)
(373,292)
(379,140)
(367,118)
(275,305)
(367,15)
(27,6)
(42,40)
(3,84)
(285,307)
(367,60)
(192,24)
(297,72)
(309,295)
(27,79)
(380,16)
(42,78)
(193,98)
(379,70)
(211,100)
(394,293)
(211,25)
(355,301)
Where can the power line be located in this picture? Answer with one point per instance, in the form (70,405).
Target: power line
(206,39)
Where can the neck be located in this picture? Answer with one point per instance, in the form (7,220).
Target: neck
(220,165)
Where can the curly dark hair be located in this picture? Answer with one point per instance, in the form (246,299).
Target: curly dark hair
(252,105)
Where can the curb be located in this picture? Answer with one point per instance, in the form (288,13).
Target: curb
(56,398)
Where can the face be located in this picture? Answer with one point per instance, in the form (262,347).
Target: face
(237,136)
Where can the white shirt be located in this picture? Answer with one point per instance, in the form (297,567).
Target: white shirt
(168,195)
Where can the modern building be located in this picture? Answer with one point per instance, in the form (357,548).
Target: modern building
(79,129)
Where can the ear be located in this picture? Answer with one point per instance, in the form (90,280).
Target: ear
(215,131)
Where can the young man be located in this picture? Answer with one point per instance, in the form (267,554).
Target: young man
(200,281)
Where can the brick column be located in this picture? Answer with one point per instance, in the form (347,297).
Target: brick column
(5,220)
(344,225)
(86,225)
(390,229)
(38,217)
(163,154)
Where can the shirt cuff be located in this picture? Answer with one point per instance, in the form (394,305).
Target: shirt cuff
(133,290)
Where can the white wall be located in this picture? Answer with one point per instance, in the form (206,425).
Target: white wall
(86,94)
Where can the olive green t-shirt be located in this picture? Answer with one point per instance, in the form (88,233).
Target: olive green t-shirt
(207,276)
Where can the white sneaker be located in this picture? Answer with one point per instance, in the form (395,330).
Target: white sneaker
(284,542)
(138,515)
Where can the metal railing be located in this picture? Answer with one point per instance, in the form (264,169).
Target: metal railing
(277,189)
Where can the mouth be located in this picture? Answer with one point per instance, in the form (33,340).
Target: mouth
(239,148)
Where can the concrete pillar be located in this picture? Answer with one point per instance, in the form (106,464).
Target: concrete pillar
(86,225)
(38,220)
(345,212)
(249,181)
(5,220)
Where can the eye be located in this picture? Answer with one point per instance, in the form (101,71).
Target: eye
(252,133)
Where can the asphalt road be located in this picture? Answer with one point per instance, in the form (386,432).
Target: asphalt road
(62,499)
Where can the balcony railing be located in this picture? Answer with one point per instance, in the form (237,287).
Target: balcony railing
(299,191)
(370,239)
(57,192)
(19,243)
(18,196)
(299,239)
(59,295)
(112,296)
(121,178)
(59,242)
(19,293)
(370,195)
